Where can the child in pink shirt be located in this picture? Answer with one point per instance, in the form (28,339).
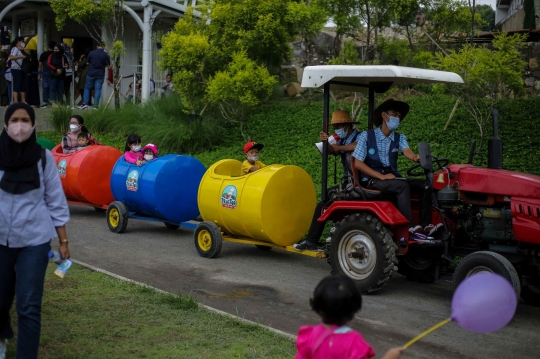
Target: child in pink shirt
(133,152)
(336,299)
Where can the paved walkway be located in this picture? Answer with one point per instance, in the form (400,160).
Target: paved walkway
(42,115)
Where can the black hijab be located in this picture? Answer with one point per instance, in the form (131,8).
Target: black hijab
(19,160)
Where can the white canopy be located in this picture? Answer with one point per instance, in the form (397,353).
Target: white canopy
(317,76)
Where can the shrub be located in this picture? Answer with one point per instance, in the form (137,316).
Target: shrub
(159,121)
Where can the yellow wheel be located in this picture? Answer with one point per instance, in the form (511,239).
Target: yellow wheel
(207,239)
(117,217)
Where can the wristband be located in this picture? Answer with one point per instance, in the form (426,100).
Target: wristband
(65,240)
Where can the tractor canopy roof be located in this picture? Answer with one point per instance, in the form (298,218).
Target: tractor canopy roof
(381,77)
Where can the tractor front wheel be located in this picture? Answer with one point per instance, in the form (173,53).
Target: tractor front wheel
(486,261)
(362,249)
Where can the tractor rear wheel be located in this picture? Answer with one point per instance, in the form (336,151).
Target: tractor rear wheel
(418,265)
(486,261)
(362,249)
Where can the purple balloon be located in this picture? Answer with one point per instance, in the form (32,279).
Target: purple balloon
(484,302)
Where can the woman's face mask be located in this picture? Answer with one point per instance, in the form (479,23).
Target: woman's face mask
(73,127)
(20,131)
(135,148)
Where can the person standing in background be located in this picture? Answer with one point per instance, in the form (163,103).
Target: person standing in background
(19,77)
(82,72)
(98,61)
(167,86)
(68,53)
(45,77)
(4,95)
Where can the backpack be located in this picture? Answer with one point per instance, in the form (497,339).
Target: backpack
(30,63)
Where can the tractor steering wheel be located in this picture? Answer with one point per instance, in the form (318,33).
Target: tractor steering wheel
(440,164)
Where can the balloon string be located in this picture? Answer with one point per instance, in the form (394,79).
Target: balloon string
(433,328)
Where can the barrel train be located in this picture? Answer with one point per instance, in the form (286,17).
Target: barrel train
(270,208)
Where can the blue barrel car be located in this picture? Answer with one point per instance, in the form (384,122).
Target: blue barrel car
(162,190)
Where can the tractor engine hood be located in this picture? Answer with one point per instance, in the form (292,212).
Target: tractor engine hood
(490,181)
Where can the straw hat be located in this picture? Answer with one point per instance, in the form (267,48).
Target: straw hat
(341,117)
(390,104)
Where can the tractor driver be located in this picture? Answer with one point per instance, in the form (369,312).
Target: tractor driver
(376,157)
(343,127)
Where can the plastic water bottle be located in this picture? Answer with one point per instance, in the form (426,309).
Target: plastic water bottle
(55,256)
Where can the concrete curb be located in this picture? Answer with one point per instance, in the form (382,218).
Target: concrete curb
(217,311)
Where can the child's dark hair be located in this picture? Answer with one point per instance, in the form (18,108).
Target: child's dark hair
(133,138)
(336,299)
(83,135)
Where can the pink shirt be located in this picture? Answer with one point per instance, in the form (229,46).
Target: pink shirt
(321,342)
(132,157)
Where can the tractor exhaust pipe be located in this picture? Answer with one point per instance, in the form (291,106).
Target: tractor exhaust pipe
(495,144)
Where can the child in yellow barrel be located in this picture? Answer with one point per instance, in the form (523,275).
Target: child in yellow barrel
(252,163)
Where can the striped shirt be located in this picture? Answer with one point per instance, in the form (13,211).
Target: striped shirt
(383,146)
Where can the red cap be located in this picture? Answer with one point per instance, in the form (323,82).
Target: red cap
(251,145)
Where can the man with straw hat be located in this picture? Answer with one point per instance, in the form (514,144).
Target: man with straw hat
(376,157)
(343,127)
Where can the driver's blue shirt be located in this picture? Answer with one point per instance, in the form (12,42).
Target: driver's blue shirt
(383,145)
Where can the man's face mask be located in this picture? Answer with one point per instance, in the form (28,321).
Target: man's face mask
(392,123)
(341,132)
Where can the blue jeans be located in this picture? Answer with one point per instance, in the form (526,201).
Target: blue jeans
(45,85)
(91,82)
(56,88)
(22,275)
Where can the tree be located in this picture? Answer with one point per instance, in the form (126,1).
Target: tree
(489,75)
(241,86)
(361,19)
(308,19)
(94,15)
(487,14)
(448,18)
(200,48)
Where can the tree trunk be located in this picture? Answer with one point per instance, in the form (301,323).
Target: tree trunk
(368,33)
(409,37)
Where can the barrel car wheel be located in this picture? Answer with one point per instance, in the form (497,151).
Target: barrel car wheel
(208,240)
(171,226)
(486,261)
(362,249)
(117,217)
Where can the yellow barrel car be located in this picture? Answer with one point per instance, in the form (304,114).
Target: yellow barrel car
(270,208)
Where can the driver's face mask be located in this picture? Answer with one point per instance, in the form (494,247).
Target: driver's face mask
(392,123)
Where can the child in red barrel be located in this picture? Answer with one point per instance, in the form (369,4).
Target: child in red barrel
(133,152)
(150,152)
(252,163)
(336,300)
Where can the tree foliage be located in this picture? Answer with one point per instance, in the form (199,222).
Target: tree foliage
(489,75)
(447,18)
(241,86)
(200,48)
(487,14)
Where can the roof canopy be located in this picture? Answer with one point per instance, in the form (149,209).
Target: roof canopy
(382,78)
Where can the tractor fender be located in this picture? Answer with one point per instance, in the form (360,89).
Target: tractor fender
(387,213)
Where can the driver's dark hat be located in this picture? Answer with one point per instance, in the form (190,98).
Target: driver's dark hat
(390,104)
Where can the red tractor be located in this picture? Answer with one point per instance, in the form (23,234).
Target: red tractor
(491,217)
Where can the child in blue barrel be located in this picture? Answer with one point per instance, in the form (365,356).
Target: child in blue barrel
(150,152)
(133,152)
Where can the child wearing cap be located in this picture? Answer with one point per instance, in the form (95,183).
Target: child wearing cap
(252,163)
(150,152)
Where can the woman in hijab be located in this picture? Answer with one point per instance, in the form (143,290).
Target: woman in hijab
(33,210)
(58,63)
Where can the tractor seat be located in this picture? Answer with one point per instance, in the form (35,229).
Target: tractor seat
(369,194)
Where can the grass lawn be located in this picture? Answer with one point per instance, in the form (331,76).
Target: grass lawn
(90,315)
